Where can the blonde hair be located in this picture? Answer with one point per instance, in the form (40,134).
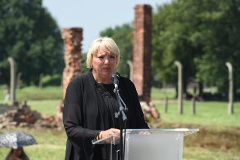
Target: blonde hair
(106,42)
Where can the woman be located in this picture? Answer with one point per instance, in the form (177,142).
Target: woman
(17,154)
(90,104)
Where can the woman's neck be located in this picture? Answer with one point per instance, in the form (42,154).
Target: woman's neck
(101,79)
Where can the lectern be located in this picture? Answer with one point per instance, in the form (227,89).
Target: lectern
(149,144)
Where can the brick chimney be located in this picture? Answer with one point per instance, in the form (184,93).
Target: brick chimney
(142,51)
(72,38)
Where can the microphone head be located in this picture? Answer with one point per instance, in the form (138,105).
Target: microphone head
(115,77)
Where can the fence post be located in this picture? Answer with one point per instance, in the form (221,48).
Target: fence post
(193,105)
(230,93)
(40,80)
(165,104)
(180,103)
(12,80)
(130,69)
(19,80)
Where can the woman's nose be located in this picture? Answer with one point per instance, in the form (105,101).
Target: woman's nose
(106,60)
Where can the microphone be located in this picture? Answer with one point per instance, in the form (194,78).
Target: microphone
(115,77)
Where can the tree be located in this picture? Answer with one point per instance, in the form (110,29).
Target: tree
(171,42)
(220,43)
(200,36)
(30,35)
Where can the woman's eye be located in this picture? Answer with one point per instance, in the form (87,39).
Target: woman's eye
(101,57)
(106,57)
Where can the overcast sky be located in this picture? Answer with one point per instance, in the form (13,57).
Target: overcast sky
(94,16)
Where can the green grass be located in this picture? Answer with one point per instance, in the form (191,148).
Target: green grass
(51,144)
(193,153)
(218,138)
(207,113)
(160,94)
(35,93)
(46,107)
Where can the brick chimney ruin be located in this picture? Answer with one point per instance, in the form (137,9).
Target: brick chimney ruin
(142,51)
(72,38)
(142,57)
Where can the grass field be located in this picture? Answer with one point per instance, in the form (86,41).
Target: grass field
(218,138)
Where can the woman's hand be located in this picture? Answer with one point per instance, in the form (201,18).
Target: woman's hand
(108,132)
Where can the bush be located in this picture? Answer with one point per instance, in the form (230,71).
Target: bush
(54,80)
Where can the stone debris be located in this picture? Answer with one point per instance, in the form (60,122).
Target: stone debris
(23,116)
(149,110)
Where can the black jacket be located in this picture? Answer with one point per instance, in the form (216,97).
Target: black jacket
(84,115)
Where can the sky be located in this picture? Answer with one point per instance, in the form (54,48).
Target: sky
(94,16)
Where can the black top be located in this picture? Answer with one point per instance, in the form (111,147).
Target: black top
(106,91)
(89,108)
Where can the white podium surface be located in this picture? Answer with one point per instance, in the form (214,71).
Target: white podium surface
(151,144)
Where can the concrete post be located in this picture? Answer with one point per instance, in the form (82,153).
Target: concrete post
(12,79)
(230,93)
(180,103)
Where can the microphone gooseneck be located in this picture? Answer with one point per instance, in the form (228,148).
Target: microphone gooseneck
(121,115)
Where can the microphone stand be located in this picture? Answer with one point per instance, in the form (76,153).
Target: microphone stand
(121,113)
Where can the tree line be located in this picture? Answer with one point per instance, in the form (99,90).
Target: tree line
(31,36)
(202,35)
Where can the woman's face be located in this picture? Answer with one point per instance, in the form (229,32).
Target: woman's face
(103,65)
(18,151)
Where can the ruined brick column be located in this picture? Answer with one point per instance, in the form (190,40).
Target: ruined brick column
(142,51)
(72,38)
(142,57)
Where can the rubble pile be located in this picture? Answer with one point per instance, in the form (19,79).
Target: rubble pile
(149,110)
(23,116)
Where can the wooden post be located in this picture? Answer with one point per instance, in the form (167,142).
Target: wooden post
(19,80)
(165,104)
(193,105)
(40,80)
